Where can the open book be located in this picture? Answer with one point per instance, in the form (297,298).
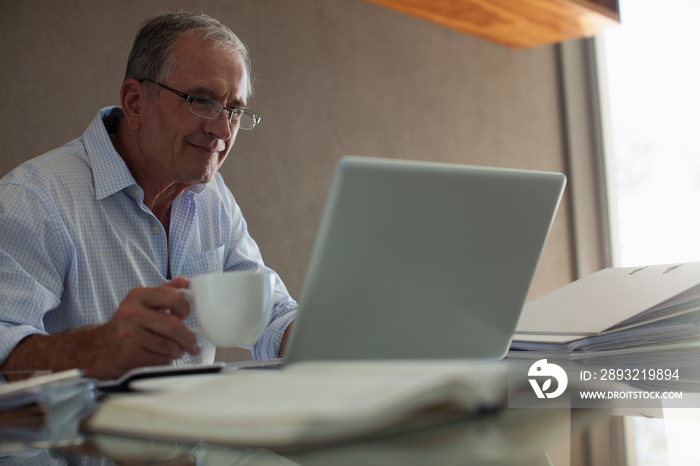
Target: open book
(304,403)
(616,309)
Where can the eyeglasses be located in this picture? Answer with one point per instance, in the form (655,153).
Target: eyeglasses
(211,109)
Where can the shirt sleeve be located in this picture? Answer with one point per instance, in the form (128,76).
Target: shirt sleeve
(244,255)
(31,265)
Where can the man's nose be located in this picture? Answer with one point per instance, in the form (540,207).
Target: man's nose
(220,126)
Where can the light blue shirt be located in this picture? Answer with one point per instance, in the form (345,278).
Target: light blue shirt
(76,237)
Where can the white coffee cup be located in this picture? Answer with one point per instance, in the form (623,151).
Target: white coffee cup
(233,308)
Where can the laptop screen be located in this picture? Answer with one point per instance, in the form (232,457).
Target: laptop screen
(417,260)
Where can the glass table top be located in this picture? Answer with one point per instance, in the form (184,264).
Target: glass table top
(508,437)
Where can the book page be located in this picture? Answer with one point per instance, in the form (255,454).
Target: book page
(608,297)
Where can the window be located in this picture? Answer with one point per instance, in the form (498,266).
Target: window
(654,99)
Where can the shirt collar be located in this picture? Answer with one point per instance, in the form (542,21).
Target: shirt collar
(110,173)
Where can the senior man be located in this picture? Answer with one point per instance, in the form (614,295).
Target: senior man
(96,237)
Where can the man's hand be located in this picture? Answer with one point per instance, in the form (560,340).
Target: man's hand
(147,329)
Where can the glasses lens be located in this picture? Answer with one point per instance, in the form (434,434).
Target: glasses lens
(211,109)
(206,108)
(247,120)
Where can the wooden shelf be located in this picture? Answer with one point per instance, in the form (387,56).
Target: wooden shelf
(515,23)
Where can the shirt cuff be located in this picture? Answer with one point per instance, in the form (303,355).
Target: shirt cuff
(268,347)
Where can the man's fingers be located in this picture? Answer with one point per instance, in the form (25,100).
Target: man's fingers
(167,328)
(121,346)
(178,282)
(142,307)
(159,346)
(161,297)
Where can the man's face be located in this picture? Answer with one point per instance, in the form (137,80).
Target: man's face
(180,146)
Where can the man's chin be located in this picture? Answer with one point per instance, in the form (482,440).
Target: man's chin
(204,179)
(203,176)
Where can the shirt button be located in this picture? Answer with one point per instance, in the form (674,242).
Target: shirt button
(136,192)
(155,230)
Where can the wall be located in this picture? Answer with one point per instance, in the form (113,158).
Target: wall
(333,77)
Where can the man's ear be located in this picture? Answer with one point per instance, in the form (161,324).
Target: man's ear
(132,95)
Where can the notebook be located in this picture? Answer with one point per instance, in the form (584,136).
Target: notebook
(418,260)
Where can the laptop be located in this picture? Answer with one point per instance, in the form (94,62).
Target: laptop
(417,260)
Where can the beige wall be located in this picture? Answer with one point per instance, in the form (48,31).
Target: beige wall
(334,77)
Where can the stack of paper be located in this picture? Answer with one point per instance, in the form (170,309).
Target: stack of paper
(44,408)
(616,309)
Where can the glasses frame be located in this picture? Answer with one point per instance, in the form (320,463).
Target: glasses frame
(231,110)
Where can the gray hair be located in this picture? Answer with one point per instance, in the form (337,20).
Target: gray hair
(152,57)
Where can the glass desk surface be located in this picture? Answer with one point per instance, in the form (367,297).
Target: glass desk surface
(508,437)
